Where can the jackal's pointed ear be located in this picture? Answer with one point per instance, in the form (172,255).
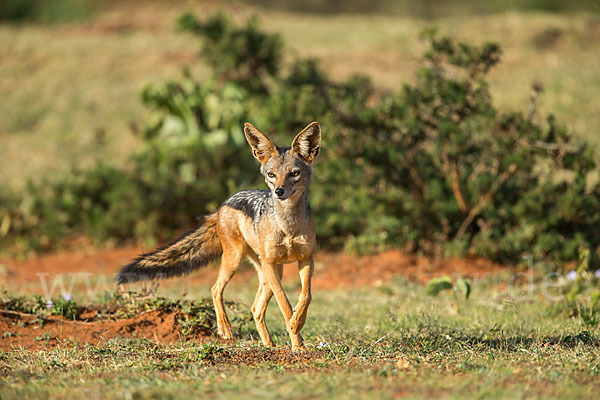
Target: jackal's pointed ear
(262,147)
(306,144)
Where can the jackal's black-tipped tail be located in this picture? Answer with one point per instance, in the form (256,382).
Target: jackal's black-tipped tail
(195,249)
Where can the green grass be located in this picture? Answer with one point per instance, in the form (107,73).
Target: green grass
(489,346)
(71,91)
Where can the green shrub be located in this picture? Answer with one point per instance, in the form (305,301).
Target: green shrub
(448,167)
(101,203)
(65,307)
(245,56)
(433,167)
(31,305)
(17,10)
(50,11)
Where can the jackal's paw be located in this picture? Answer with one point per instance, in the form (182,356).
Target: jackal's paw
(227,335)
(297,343)
(299,348)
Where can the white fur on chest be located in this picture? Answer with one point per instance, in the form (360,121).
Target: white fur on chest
(290,248)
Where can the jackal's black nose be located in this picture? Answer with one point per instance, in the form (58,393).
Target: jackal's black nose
(279,192)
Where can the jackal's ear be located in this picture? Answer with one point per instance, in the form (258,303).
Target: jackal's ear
(262,147)
(306,144)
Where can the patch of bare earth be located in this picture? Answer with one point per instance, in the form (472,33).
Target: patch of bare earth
(332,270)
(282,357)
(22,331)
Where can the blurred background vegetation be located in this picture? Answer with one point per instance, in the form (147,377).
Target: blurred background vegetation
(65,10)
(472,140)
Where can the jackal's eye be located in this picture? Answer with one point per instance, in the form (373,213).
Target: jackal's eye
(270,175)
(294,174)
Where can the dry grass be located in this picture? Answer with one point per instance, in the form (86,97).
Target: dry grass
(71,92)
(386,342)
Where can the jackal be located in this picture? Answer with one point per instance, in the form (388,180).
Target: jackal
(270,227)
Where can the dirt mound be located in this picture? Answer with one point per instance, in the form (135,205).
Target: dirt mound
(31,332)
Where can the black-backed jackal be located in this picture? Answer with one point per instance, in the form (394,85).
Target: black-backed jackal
(270,227)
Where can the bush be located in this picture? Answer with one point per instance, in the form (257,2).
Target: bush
(245,56)
(51,11)
(433,167)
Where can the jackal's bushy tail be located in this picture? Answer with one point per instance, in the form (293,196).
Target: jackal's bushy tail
(193,250)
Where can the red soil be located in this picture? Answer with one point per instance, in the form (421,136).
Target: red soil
(29,333)
(332,270)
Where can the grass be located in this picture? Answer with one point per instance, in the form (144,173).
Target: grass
(381,342)
(73,89)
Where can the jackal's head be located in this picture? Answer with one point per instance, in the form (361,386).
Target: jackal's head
(287,170)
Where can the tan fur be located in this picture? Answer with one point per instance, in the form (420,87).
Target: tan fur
(186,249)
(283,236)
(269,232)
(193,250)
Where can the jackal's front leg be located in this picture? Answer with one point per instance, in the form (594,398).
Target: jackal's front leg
(259,307)
(274,281)
(305,269)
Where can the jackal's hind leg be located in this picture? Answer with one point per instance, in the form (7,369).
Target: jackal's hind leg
(230,262)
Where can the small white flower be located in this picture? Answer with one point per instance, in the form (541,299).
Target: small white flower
(571,275)
(322,345)
(66,296)
(597,273)
(49,304)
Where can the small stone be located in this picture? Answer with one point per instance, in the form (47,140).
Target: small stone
(403,364)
